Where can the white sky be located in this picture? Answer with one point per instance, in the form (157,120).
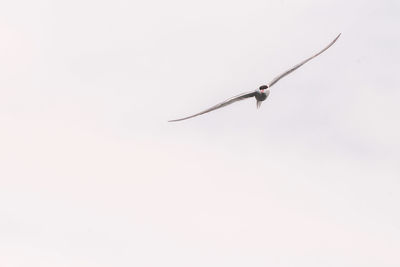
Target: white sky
(91,174)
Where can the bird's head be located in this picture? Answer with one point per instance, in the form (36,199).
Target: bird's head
(263,87)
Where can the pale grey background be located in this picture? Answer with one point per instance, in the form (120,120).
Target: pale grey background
(91,174)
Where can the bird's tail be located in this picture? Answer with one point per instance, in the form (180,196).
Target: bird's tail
(259,104)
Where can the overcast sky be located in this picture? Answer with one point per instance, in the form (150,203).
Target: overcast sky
(91,173)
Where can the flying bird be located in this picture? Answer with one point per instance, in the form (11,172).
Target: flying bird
(263,91)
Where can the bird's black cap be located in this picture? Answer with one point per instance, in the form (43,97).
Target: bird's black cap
(263,87)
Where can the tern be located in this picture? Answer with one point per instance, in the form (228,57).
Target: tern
(263,91)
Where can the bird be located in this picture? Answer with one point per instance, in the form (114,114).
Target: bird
(263,91)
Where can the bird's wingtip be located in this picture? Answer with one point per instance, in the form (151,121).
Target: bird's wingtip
(336,38)
(175,120)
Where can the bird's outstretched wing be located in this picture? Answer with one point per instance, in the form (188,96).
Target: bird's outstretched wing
(220,105)
(276,79)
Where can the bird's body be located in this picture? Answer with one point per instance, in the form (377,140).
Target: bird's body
(263,91)
(260,96)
